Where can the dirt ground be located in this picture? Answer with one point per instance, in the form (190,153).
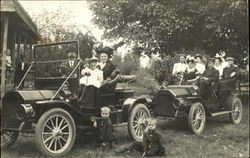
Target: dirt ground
(220,138)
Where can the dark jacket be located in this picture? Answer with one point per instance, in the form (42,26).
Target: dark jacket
(190,75)
(108,69)
(229,83)
(212,74)
(105,129)
(152,140)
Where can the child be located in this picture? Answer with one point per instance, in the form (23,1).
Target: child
(105,128)
(90,82)
(152,142)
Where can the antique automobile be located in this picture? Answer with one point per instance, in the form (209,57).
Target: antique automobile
(51,111)
(184,101)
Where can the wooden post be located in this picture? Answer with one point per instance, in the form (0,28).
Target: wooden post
(5,41)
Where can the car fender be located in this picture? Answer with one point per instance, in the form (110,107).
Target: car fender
(129,103)
(45,105)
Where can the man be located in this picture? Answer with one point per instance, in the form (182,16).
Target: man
(209,76)
(229,77)
(181,66)
(20,71)
(69,66)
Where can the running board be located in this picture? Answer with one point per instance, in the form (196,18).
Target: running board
(220,113)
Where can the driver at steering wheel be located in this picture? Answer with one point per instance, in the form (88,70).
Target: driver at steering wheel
(209,76)
(70,64)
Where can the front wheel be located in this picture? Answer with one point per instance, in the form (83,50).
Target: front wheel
(8,138)
(237,110)
(137,121)
(55,132)
(197,118)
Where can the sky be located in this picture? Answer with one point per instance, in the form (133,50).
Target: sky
(80,14)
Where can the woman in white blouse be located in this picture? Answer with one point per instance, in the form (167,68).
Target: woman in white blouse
(218,65)
(180,66)
(91,81)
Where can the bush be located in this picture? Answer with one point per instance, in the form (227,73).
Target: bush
(145,82)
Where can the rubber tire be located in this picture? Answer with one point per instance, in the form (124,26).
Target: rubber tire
(131,118)
(190,118)
(42,120)
(12,140)
(230,101)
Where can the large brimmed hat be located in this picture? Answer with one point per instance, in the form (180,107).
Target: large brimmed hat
(107,50)
(190,59)
(230,59)
(92,59)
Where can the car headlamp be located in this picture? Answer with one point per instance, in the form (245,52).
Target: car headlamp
(24,111)
(178,102)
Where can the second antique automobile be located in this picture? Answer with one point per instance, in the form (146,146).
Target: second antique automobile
(51,111)
(184,101)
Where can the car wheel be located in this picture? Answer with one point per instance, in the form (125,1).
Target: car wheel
(137,121)
(55,132)
(8,138)
(237,109)
(197,118)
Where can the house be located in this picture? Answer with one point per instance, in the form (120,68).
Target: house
(18,34)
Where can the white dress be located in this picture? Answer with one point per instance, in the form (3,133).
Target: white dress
(179,67)
(220,68)
(95,78)
(200,68)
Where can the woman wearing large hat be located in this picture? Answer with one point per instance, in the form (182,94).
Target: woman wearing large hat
(110,71)
(90,82)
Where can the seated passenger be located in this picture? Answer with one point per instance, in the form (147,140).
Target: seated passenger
(218,65)
(228,82)
(180,66)
(198,64)
(110,75)
(90,82)
(191,73)
(209,76)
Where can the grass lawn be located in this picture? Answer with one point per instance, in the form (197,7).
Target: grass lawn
(220,138)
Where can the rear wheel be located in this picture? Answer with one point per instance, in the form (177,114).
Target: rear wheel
(55,132)
(8,138)
(237,110)
(197,118)
(137,121)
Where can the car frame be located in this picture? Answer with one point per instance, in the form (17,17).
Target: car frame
(54,116)
(184,101)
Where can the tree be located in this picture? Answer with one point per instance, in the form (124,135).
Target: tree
(53,26)
(165,26)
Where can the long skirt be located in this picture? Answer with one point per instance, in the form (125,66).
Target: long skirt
(88,97)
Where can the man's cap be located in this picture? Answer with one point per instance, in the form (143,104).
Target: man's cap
(230,59)
(92,59)
(210,59)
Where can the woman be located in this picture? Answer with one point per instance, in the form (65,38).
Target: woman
(191,73)
(110,75)
(180,66)
(199,65)
(218,65)
(90,83)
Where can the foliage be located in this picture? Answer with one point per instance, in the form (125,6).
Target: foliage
(128,64)
(165,26)
(53,26)
(145,81)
